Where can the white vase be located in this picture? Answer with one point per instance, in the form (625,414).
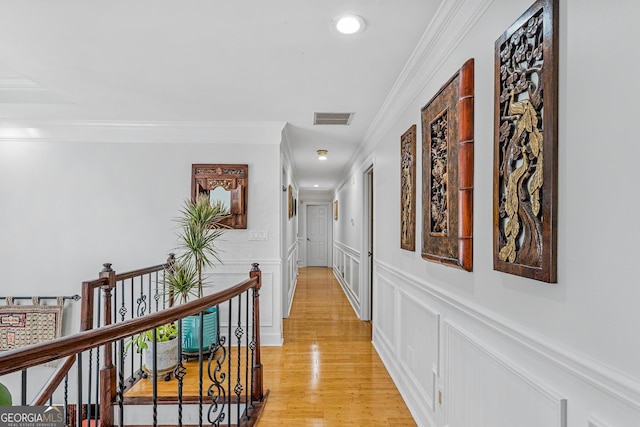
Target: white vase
(167,357)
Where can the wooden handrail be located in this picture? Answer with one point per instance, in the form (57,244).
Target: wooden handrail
(140,272)
(54,381)
(37,354)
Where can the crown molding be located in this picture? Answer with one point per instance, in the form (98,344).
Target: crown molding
(141,132)
(287,154)
(455,17)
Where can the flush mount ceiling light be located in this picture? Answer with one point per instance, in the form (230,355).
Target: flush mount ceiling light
(349,24)
(322,154)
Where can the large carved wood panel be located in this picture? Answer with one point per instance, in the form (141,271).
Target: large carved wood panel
(408,189)
(447,172)
(525,183)
(233,179)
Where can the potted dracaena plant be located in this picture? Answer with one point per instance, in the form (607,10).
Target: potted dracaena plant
(166,345)
(200,226)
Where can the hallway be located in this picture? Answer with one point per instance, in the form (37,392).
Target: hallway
(327,373)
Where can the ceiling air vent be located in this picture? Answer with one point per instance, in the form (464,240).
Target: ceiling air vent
(332,118)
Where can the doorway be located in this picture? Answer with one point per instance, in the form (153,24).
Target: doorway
(367,294)
(317,236)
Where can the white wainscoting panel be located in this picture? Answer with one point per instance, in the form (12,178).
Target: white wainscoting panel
(483,389)
(384,314)
(292,278)
(418,348)
(232,272)
(346,268)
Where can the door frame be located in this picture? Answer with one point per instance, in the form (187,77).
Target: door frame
(366,260)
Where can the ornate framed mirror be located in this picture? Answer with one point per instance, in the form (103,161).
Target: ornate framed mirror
(225,183)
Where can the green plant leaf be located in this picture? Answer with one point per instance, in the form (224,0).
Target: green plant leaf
(5,396)
(200,228)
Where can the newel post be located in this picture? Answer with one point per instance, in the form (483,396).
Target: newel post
(256,377)
(108,371)
(86,310)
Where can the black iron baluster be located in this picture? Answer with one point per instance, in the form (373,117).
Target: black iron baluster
(229,364)
(66,399)
(200,369)
(239,332)
(24,387)
(89,384)
(246,357)
(149,283)
(132,297)
(120,356)
(79,379)
(216,388)
(252,345)
(140,309)
(120,393)
(179,373)
(154,376)
(156,295)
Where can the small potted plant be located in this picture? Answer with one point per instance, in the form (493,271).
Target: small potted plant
(200,227)
(167,349)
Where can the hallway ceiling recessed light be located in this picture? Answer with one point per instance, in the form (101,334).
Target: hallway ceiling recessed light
(349,24)
(322,154)
(316,185)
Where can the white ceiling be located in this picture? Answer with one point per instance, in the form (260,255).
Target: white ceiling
(209,61)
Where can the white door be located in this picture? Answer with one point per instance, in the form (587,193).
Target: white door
(317,236)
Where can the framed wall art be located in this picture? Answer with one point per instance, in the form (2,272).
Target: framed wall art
(228,184)
(290,201)
(525,181)
(447,172)
(408,189)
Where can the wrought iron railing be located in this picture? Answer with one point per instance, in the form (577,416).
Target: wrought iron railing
(226,373)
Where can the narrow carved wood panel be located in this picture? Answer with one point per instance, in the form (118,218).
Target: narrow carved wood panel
(408,189)
(525,145)
(447,177)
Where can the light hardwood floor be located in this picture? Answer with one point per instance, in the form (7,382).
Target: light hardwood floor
(327,373)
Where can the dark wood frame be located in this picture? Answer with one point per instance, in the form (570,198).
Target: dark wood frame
(452,245)
(290,201)
(233,178)
(525,188)
(408,189)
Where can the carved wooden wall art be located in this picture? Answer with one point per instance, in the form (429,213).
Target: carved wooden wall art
(290,201)
(408,189)
(447,172)
(234,179)
(525,182)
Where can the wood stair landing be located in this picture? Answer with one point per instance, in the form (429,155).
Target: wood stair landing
(140,392)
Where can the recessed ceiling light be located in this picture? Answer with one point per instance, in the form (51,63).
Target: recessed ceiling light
(316,185)
(349,24)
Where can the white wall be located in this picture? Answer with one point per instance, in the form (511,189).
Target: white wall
(504,350)
(289,235)
(347,244)
(68,207)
